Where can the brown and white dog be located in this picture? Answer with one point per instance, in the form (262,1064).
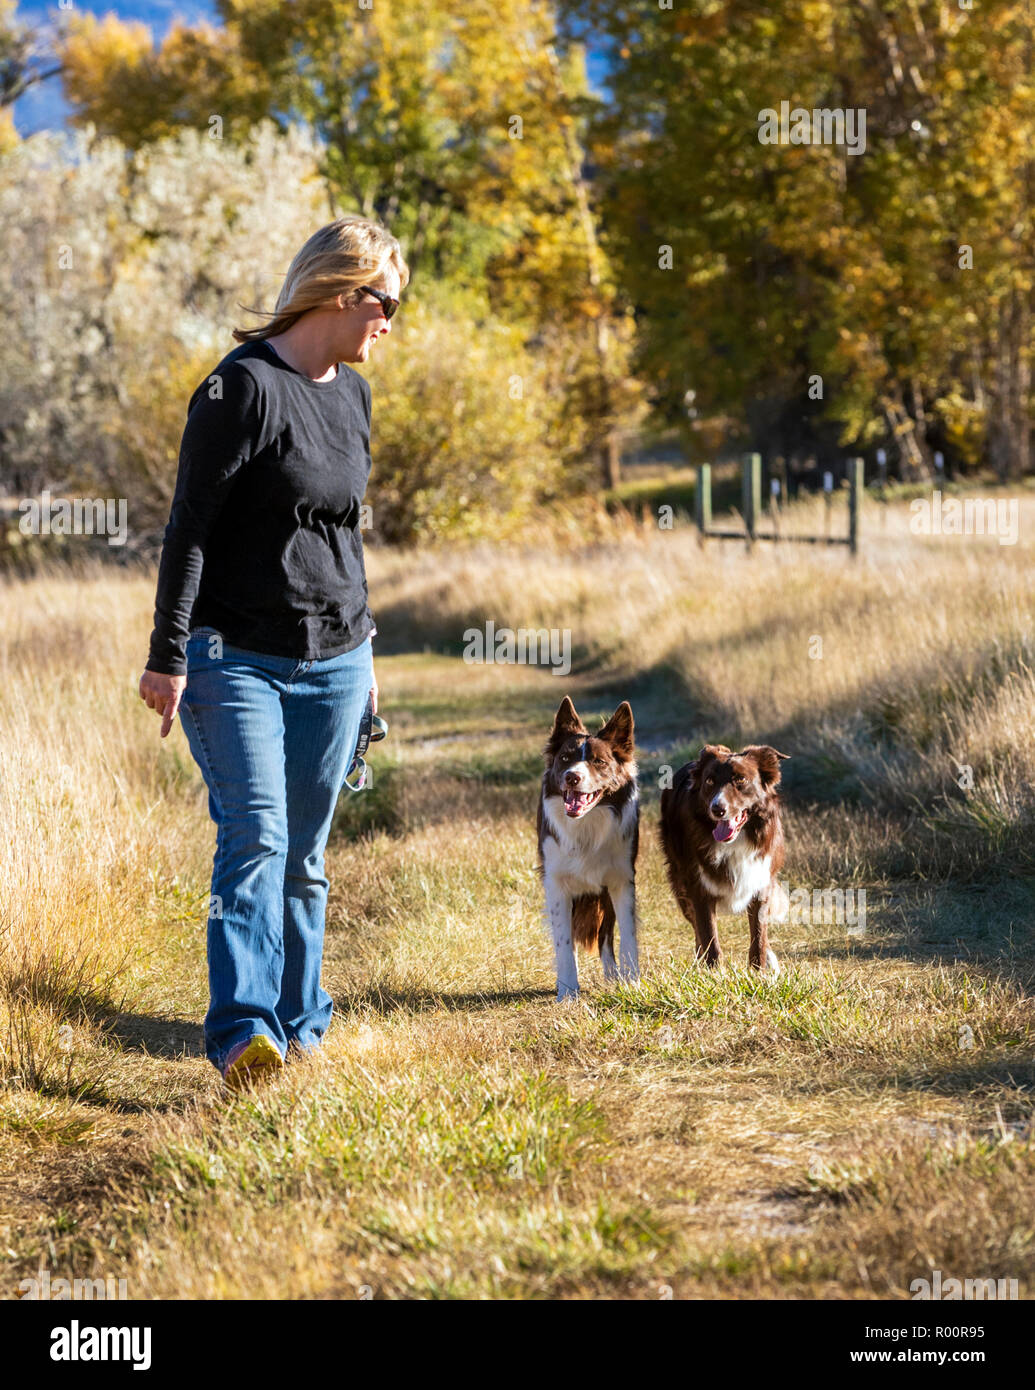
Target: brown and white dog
(588,830)
(723,843)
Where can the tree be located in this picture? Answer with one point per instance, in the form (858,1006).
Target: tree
(456,129)
(24,62)
(794,262)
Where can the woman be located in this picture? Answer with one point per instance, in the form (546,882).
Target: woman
(262,629)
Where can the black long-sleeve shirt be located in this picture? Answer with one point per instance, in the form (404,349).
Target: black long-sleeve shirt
(263,541)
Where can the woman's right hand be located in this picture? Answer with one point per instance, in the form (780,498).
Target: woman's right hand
(162,694)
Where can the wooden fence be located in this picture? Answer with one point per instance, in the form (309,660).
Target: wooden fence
(751,485)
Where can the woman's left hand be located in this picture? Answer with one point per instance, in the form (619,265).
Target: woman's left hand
(373,694)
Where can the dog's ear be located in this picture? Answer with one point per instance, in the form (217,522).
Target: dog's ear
(768,760)
(567,720)
(618,731)
(566,723)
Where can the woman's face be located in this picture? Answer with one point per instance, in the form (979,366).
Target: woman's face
(366,323)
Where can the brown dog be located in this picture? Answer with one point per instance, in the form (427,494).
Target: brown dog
(723,843)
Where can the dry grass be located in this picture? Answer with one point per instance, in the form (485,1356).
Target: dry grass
(838,1133)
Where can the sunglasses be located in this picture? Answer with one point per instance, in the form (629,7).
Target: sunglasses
(388,304)
(372,729)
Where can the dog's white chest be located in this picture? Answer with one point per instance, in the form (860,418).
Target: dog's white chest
(585,855)
(750,871)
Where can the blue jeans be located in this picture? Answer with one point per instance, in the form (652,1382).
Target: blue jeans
(273,738)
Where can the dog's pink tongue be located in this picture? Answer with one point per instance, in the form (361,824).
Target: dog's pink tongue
(724,830)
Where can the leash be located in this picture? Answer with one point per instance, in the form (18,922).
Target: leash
(372,729)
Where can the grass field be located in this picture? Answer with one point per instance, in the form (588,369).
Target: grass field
(840,1132)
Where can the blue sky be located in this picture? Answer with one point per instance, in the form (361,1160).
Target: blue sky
(43,107)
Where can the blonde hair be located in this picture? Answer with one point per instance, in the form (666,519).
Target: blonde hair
(339,258)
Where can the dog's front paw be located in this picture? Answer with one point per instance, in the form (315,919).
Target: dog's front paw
(567,994)
(771,963)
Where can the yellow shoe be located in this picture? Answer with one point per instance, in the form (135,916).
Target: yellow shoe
(257,1059)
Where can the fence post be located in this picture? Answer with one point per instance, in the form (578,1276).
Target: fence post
(855,485)
(882,469)
(703,498)
(882,486)
(751,479)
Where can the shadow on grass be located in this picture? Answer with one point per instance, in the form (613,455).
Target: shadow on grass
(101,1099)
(987,959)
(995,954)
(382,1000)
(158,1037)
(1018,1073)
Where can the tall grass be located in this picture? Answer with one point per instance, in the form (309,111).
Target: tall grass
(906,677)
(460,1135)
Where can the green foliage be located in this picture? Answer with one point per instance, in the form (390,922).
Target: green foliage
(94,389)
(789,262)
(465,138)
(796,260)
(460,432)
(477,1132)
